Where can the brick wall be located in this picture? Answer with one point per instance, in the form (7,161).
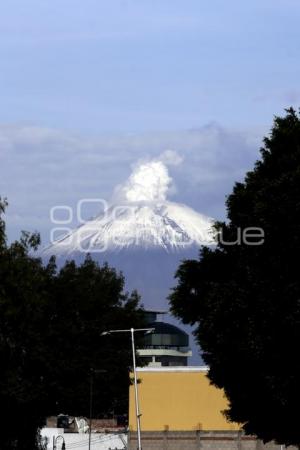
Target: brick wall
(198,440)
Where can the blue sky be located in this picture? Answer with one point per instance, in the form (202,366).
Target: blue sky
(88,87)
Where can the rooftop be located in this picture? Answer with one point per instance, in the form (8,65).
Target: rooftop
(173,369)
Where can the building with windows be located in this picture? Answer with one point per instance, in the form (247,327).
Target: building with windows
(168,345)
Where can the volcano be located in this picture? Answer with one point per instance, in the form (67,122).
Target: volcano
(143,235)
(144,225)
(145,240)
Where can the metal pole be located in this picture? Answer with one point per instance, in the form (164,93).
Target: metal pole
(91,408)
(137,408)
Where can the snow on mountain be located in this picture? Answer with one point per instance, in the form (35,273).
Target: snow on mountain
(140,217)
(146,225)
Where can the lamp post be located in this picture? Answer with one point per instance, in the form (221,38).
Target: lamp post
(137,406)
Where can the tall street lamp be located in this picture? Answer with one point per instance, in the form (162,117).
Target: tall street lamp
(137,406)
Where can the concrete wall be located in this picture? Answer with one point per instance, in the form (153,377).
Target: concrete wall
(199,440)
(79,441)
(179,398)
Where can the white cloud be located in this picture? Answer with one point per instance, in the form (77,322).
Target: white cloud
(171,158)
(42,167)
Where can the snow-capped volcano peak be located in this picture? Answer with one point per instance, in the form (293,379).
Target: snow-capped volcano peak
(167,225)
(141,217)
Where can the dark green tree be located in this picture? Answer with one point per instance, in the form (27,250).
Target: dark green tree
(87,300)
(50,326)
(245,299)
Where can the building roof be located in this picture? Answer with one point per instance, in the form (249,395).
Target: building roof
(167,328)
(166,335)
(173,369)
(156,311)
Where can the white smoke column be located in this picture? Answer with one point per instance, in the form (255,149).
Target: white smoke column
(150,181)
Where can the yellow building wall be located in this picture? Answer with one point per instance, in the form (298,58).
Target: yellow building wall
(176,401)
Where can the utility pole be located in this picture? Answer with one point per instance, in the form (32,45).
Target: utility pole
(91,406)
(92,372)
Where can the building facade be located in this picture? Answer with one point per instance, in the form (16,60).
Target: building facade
(168,345)
(181,410)
(177,399)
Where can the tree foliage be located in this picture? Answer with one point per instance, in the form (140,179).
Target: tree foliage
(50,326)
(245,299)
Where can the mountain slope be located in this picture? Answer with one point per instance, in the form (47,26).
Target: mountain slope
(138,225)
